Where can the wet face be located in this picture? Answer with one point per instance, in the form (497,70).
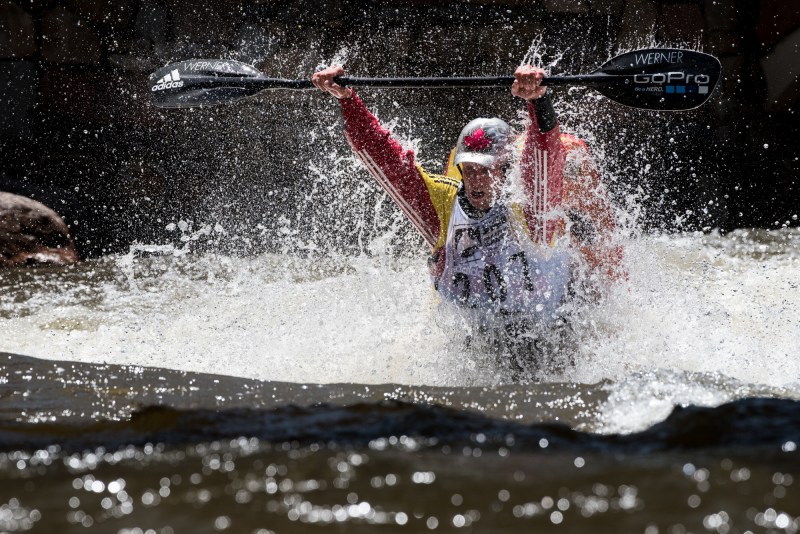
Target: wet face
(482,184)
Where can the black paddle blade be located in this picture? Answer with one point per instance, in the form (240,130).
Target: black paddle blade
(667,79)
(202,82)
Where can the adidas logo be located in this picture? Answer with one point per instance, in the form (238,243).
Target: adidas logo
(173,79)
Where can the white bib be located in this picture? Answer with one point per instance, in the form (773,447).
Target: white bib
(493,268)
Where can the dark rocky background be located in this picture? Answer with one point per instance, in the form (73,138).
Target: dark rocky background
(77,132)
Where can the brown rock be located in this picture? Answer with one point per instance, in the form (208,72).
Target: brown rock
(66,38)
(17,39)
(31,234)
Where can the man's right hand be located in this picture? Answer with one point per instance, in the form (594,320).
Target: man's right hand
(324,81)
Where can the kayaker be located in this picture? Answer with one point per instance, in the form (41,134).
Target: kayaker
(501,260)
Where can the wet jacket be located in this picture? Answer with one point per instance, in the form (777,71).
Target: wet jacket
(557,172)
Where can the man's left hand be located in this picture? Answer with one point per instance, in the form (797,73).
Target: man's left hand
(527,80)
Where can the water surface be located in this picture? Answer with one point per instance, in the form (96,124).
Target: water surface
(171,390)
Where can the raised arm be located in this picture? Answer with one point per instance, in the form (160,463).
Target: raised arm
(542,161)
(391,165)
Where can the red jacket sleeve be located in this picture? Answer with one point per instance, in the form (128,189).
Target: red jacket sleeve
(542,168)
(392,166)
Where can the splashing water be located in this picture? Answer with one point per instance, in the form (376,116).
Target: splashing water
(538,51)
(273,256)
(342,292)
(702,319)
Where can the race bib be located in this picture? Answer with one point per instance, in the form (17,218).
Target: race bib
(493,268)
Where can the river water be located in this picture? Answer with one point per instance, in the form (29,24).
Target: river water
(167,390)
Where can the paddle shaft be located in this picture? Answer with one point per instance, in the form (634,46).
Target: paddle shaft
(661,79)
(426,82)
(477,81)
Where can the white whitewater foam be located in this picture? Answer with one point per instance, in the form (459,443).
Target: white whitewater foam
(375,322)
(718,307)
(703,321)
(699,305)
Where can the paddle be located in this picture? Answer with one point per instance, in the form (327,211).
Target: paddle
(653,78)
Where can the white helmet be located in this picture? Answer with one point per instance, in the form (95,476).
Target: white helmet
(482,141)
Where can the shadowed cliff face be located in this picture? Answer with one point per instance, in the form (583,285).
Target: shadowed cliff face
(81,133)
(31,234)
